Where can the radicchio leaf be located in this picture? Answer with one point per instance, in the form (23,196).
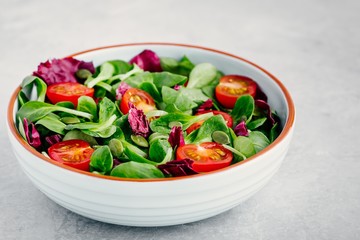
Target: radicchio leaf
(51,140)
(138,122)
(266,108)
(206,106)
(32,135)
(61,70)
(120,91)
(241,130)
(178,168)
(148,61)
(260,95)
(176,137)
(116,162)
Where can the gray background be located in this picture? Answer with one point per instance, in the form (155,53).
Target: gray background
(312,46)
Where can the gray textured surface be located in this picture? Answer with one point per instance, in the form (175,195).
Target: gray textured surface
(312,46)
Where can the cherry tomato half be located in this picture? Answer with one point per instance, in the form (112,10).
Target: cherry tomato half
(231,87)
(207,156)
(227,117)
(74,153)
(141,100)
(68,91)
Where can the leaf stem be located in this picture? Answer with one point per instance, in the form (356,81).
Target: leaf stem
(75,112)
(233,150)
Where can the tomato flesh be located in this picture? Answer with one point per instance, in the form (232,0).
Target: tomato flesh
(68,91)
(194,126)
(207,156)
(231,87)
(141,100)
(227,118)
(74,153)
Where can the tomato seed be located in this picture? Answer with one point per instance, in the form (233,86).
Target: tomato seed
(220,152)
(214,157)
(231,91)
(135,99)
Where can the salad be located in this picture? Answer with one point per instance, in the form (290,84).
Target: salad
(150,117)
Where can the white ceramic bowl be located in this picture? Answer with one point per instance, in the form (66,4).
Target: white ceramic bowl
(165,201)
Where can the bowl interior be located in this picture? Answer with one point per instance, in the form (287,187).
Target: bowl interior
(278,96)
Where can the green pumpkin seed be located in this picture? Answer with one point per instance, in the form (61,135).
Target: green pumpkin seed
(139,140)
(70,120)
(220,137)
(116,147)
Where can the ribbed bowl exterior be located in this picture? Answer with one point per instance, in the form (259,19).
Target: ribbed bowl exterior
(151,203)
(158,203)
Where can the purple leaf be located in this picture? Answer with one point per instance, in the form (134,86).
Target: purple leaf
(138,122)
(32,135)
(266,108)
(178,168)
(260,95)
(148,61)
(86,65)
(61,70)
(116,162)
(206,106)
(241,130)
(176,137)
(51,140)
(120,91)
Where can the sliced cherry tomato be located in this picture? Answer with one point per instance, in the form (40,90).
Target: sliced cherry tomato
(68,91)
(194,126)
(231,87)
(74,153)
(141,100)
(227,117)
(207,156)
